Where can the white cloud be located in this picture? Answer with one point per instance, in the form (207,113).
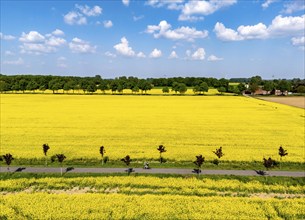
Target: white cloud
(280,26)
(287,25)
(9,53)
(155,53)
(141,55)
(20,61)
(58,32)
(125,2)
(170,4)
(37,49)
(198,54)
(298,42)
(203,8)
(86,10)
(6,37)
(123,48)
(80,46)
(108,24)
(173,55)
(109,54)
(55,41)
(267,3)
(182,33)
(214,58)
(32,37)
(294,6)
(75,18)
(137,18)
(226,34)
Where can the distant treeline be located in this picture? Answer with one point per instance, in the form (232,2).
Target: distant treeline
(177,84)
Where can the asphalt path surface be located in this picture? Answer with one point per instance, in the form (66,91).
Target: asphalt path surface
(152,171)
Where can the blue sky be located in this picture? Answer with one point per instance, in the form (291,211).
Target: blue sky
(154,38)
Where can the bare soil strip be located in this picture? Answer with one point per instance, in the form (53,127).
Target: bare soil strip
(292,101)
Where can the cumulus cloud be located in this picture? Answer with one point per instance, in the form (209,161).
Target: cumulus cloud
(298,42)
(170,4)
(123,48)
(58,32)
(267,3)
(214,58)
(125,2)
(108,24)
(80,46)
(183,33)
(80,13)
(20,61)
(6,37)
(293,6)
(55,41)
(199,54)
(141,55)
(173,55)
(32,37)
(155,53)
(86,10)
(204,8)
(36,43)
(280,26)
(75,18)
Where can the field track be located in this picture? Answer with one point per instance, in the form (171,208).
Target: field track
(153,171)
(292,101)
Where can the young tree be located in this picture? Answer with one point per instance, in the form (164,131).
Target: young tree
(161,150)
(102,152)
(127,161)
(222,90)
(282,153)
(269,163)
(218,152)
(60,158)
(198,162)
(8,158)
(45,148)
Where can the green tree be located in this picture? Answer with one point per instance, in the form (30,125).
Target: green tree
(165,89)
(103,86)
(4,86)
(23,84)
(60,158)
(32,86)
(284,86)
(102,152)
(268,86)
(282,153)
(127,161)
(45,148)
(218,152)
(198,162)
(91,88)
(182,88)
(8,158)
(135,89)
(161,150)
(269,163)
(301,89)
(222,90)
(241,88)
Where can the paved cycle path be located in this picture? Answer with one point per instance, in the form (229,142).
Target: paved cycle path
(152,171)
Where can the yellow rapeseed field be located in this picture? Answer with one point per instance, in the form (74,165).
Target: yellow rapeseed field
(76,125)
(136,197)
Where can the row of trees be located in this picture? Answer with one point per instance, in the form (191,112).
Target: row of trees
(268,163)
(294,85)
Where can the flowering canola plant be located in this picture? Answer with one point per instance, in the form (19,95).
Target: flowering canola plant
(246,128)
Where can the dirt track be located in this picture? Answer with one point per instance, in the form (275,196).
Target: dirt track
(292,101)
